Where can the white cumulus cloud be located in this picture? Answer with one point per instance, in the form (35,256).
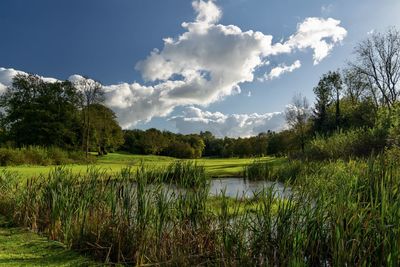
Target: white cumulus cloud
(208,62)
(195,120)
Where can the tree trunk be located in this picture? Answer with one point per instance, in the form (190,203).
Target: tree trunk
(337,110)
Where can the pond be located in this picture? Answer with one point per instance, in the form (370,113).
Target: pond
(242,188)
(234,187)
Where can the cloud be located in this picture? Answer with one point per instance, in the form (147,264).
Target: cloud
(278,71)
(195,120)
(7,75)
(209,62)
(319,34)
(207,12)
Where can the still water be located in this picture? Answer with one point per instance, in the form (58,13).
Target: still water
(242,188)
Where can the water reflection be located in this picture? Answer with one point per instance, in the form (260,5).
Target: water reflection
(242,188)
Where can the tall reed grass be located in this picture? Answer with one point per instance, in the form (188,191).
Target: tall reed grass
(263,170)
(340,214)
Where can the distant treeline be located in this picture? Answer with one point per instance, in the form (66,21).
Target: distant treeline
(153,141)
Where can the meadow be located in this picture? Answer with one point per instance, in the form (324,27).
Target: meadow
(114,162)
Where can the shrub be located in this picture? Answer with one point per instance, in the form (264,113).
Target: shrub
(34,155)
(345,145)
(11,157)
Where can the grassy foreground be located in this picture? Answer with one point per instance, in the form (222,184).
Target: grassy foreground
(340,214)
(114,162)
(19,247)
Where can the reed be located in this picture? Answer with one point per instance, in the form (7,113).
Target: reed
(340,214)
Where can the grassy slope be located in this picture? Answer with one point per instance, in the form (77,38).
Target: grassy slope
(19,247)
(113,162)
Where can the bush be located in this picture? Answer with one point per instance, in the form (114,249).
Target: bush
(180,150)
(34,155)
(11,157)
(345,145)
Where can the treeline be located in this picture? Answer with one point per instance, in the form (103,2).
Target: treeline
(357,110)
(205,144)
(62,114)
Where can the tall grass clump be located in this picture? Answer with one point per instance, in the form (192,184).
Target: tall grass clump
(264,170)
(258,169)
(184,173)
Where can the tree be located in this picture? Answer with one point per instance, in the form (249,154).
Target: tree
(356,86)
(91,92)
(197,144)
(335,81)
(378,58)
(327,92)
(213,145)
(154,142)
(41,113)
(323,95)
(297,114)
(105,130)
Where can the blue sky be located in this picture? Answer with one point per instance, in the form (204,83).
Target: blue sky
(105,40)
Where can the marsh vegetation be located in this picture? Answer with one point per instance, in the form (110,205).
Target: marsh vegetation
(135,217)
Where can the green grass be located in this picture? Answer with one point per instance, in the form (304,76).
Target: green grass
(114,162)
(19,247)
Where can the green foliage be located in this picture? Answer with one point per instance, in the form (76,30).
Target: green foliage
(357,114)
(180,150)
(40,113)
(155,142)
(35,155)
(347,144)
(106,134)
(389,121)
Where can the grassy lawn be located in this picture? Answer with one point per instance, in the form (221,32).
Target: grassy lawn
(114,162)
(19,247)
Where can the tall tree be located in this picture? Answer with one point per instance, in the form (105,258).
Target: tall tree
(335,80)
(106,134)
(327,92)
(323,95)
(91,92)
(41,113)
(378,57)
(356,86)
(297,114)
